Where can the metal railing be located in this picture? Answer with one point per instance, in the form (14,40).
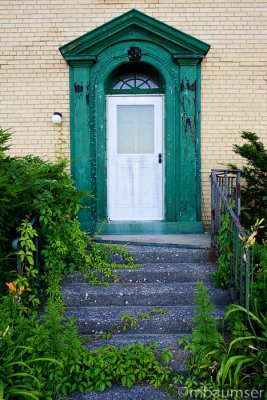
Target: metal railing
(16,247)
(226,198)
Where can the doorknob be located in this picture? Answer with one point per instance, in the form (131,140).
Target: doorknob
(160,158)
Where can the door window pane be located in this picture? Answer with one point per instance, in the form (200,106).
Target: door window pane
(135,129)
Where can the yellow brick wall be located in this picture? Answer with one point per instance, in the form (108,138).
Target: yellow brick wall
(34,77)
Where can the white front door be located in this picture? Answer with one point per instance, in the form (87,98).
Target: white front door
(135,157)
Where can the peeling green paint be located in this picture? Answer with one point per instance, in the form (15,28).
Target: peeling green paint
(176,58)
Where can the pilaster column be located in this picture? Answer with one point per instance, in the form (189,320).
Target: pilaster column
(82,163)
(189,101)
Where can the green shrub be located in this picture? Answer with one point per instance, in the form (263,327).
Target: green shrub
(254,172)
(31,187)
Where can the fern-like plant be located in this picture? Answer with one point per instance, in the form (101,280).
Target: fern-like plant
(204,347)
(205,333)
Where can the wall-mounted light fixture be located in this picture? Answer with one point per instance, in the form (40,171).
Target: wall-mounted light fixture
(57,118)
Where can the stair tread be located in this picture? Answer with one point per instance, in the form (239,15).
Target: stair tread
(139,294)
(115,312)
(117,392)
(143,286)
(156,254)
(164,340)
(151,272)
(178,319)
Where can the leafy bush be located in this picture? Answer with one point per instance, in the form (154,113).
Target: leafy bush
(30,187)
(254,189)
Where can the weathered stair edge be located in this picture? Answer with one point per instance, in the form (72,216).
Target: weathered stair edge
(152,294)
(167,254)
(117,392)
(154,272)
(178,319)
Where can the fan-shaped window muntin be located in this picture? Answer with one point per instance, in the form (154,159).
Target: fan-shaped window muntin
(135,81)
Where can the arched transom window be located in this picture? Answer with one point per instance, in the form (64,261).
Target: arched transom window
(135,81)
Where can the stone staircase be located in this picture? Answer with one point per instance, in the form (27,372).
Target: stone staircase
(166,280)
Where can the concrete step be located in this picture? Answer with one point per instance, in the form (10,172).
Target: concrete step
(177,320)
(152,294)
(167,254)
(157,272)
(117,392)
(126,339)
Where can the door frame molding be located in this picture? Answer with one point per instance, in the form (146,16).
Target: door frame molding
(177,58)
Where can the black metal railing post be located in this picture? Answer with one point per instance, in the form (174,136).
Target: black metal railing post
(226,198)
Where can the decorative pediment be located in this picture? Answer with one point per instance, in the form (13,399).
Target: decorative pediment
(133,26)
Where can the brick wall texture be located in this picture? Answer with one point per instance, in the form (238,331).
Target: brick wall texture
(34,78)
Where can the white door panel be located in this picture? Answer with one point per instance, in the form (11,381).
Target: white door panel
(134,141)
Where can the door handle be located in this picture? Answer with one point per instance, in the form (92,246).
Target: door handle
(160,158)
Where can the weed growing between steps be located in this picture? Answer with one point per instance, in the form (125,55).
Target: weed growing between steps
(99,259)
(128,321)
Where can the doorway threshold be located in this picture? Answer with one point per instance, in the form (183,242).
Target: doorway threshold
(200,240)
(149,228)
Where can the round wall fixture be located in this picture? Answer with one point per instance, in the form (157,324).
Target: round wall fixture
(57,118)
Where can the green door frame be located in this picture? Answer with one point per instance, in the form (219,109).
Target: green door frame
(176,57)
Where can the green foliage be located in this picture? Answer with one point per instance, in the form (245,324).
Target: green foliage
(45,357)
(205,332)
(128,321)
(99,258)
(127,365)
(31,187)
(5,135)
(205,337)
(254,191)
(56,361)
(18,359)
(17,373)
(221,277)
(246,366)
(237,359)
